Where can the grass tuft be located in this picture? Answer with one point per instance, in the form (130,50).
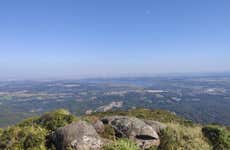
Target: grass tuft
(121,144)
(180,137)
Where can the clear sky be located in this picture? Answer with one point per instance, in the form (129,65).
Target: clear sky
(89,38)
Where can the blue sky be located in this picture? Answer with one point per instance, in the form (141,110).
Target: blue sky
(93,38)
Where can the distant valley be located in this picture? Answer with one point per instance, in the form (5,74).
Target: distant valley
(203,99)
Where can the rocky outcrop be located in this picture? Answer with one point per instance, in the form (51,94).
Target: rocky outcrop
(78,136)
(157,126)
(84,136)
(135,129)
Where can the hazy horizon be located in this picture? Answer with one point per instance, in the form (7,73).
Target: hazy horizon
(84,39)
(121,76)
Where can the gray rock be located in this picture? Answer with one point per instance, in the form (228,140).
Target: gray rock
(99,126)
(135,129)
(78,136)
(157,126)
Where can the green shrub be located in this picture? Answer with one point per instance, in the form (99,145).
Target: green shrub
(180,137)
(121,144)
(218,136)
(31,133)
(29,122)
(29,138)
(53,120)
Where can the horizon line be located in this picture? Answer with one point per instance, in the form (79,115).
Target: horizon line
(175,74)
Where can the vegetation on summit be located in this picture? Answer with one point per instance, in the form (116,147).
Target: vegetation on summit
(33,133)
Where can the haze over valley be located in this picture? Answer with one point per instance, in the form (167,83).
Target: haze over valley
(202,99)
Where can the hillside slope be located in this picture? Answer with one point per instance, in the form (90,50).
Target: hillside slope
(37,133)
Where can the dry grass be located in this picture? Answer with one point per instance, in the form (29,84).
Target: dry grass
(180,137)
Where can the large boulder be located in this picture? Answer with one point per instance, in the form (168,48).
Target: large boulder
(78,136)
(157,126)
(135,129)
